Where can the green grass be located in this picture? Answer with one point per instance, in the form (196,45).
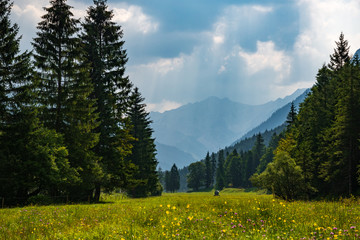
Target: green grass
(233,215)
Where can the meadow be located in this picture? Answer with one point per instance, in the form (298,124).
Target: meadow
(233,215)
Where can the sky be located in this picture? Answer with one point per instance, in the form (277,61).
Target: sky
(250,51)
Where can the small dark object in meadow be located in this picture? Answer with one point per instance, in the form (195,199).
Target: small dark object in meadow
(217,193)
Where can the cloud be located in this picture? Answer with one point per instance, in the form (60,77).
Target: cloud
(133,19)
(321,23)
(163,106)
(163,66)
(267,57)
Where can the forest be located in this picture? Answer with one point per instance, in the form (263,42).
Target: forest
(71,122)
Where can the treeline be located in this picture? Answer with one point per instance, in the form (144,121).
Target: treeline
(233,166)
(71,122)
(320,153)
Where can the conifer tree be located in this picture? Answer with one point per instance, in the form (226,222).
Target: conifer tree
(257,151)
(33,159)
(213,167)
(174,179)
(143,151)
(291,117)
(341,54)
(65,88)
(220,172)
(233,169)
(208,171)
(104,52)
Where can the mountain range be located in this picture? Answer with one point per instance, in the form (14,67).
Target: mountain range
(184,135)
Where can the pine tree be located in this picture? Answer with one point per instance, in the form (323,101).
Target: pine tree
(103,45)
(208,171)
(65,88)
(291,117)
(233,170)
(220,172)
(341,54)
(174,179)
(213,167)
(33,159)
(143,151)
(257,151)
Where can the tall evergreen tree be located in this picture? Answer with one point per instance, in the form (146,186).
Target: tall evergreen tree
(213,167)
(208,171)
(257,152)
(143,151)
(33,159)
(174,179)
(291,117)
(104,52)
(220,172)
(341,54)
(65,88)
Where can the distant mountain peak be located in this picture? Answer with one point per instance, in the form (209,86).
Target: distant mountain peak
(357,53)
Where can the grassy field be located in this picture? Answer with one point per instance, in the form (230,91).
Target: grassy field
(233,215)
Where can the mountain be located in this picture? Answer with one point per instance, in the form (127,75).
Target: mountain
(277,118)
(207,125)
(168,155)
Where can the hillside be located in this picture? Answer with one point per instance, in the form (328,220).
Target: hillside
(277,118)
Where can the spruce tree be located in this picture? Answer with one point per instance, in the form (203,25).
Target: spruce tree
(220,172)
(257,151)
(291,117)
(213,167)
(65,89)
(174,178)
(208,171)
(341,54)
(104,52)
(143,151)
(33,159)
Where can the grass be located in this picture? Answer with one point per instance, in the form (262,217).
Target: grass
(233,215)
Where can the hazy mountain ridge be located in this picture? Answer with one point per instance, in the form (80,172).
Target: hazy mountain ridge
(208,125)
(277,118)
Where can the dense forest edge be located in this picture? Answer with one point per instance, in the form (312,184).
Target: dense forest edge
(72,125)
(315,156)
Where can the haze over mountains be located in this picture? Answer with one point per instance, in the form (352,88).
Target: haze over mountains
(185,134)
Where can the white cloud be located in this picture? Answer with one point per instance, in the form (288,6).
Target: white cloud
(134,19)
(263,9)
(163,66)
(321,23)
(266,57)
(163,106)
